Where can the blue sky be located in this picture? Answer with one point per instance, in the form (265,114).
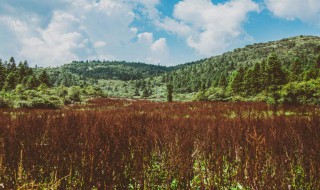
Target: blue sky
(168,32)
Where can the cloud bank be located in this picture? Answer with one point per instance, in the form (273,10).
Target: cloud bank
(207,27)
(304,10)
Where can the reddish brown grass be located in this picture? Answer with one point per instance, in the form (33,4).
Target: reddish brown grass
(144,145)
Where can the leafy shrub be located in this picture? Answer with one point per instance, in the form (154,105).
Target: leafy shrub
(74,94)
(4,103)
(301,92)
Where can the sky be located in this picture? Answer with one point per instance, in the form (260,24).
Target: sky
(165,32)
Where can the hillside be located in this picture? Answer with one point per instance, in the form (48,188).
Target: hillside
(191,77)
(77,72)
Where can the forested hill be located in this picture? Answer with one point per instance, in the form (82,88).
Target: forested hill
(285,71)
(116,70)
(194,76)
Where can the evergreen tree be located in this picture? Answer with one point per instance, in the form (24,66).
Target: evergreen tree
(295,70)
(256,73)
(311,73)
(2,74)
(22,71)
(136,92)
(223,80)
(11,81)
(263,76)
(237,81)
(249,82)
(145,93)
(169,92)
(276,77)
(32,82)
(318,62)
(44,78)
(11,67)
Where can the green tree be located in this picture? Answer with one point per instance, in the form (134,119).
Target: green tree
(249,82)
(74,93)
(237,81)
(42,87)
(169,92)
(44,78)
(11,81)
(263,76)
(276,78)
(256,73)
(2,74)
(145,93)
(295,70)
(32,82)
(11,67)
(223,80)
(19,89)
(136,92)
(311,73)
(62,91)
(318,62)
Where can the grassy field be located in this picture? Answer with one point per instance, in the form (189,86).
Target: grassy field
(123,144)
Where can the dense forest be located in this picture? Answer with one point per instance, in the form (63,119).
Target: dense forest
(279,72)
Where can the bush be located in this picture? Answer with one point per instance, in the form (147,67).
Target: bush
(34,99)
(74,93)
(301,92)
(4,103)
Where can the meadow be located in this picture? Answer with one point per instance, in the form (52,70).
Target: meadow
(126,144)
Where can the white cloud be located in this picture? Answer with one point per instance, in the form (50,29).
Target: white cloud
(305,10)
(79,30)
(99,44)
(173,26)
(159,45)
(209,28)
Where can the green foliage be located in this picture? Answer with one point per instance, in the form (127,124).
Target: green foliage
(32,82)
(44,78)
(169,92)
(11,81)
(4,103)
(37,99)
(189,77)
(2,74)
(306,92)
(74,94)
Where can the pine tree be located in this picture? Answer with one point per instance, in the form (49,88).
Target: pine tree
(249,82)
(11,67)
(263,76)
(44,78)
(2,74)
(11,81)
(295,70)
(32,82)
(318,62)
(276,77)
(223,80)
(237,81)
(169,92)
(255,79)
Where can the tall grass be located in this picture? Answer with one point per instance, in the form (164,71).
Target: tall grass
(118,144)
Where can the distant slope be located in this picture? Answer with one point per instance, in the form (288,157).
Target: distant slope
(193,76)
(76,73)
(114,70)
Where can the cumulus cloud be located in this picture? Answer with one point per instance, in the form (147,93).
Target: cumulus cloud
(305,10)
(80,29)
(209,28)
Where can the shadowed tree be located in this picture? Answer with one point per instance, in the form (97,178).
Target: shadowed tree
(169,92)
